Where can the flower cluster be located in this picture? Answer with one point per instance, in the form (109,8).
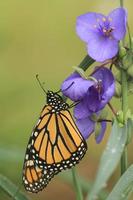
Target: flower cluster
(102,35)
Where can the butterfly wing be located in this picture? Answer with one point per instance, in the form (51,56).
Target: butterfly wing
(35,178)
(54,145)
(58,144)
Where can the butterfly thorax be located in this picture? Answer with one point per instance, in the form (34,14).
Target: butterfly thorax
(56,102)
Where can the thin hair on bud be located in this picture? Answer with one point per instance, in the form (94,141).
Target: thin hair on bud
(37,77)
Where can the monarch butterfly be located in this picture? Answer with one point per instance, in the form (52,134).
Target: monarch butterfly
(55,144)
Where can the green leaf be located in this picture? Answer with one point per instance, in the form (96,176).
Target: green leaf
(129,130)
(109,159)
(86,62)
(12,190)
(86,185)
(78,190)
(124,187)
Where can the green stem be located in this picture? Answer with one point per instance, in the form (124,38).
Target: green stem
(79,195)
(124,162)
(124,92)
(121,3)
(129,37)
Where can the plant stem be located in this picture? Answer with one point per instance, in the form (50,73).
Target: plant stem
(79,195)
(124,92)
(124,162)
(121,3)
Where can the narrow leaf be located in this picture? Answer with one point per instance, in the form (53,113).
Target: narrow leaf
(109,159)
(124,187)
(78,190)
(86,62)
(86,185)
(12,190)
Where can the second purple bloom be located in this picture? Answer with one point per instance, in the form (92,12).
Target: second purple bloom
(92,95)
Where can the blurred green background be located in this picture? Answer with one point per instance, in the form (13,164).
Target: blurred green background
(38,37)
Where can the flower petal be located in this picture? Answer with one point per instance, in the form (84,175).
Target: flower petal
(93,100)
(108,85)
(75,87)
(102,132)
(86,25)
(102,48)
(81,110)
(118,19)
(86,127)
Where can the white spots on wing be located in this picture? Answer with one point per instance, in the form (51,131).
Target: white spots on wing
(26,182)
(27,156)
(35,134)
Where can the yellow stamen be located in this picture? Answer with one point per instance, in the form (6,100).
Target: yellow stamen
(110,19)
(104,19)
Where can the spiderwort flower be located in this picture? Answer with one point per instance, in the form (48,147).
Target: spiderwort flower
(87,127)
(102,33)
(92,96)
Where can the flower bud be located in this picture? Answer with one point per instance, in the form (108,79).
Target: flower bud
(122,51)
(127,61)
(130,87)
(117,89)
(120,118)
(130,71)
(118,76)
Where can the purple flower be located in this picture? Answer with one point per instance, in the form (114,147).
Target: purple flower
(87,127)
(92,96)
(102,33)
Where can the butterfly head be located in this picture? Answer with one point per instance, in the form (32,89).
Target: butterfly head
(56,101)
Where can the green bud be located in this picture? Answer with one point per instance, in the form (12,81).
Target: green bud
(130,71)
(117,90)
(97,129)
(120,118)
(127,61)
(122,51)
(118,76)
(130,87)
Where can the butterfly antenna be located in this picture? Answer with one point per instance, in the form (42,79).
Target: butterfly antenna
(37,77)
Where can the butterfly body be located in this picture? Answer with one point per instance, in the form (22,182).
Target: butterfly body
(55,144)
